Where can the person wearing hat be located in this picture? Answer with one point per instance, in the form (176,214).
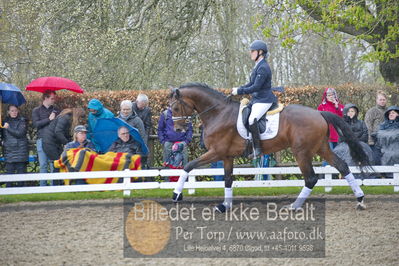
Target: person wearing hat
(260,88)
(79,139)
(387,138)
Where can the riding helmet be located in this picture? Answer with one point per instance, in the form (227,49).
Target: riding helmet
(258,45)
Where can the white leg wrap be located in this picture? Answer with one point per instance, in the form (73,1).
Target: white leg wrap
(305,192)
(354,185)
(180,182)
(228,197)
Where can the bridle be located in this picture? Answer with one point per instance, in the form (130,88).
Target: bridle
(184,105)
(188,118)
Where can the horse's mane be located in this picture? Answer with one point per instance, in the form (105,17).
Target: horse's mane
(204,87)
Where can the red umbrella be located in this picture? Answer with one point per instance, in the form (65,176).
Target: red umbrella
(54,84)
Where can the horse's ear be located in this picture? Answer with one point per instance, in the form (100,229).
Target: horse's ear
(177,92)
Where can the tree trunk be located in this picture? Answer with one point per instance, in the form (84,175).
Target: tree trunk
(390,71)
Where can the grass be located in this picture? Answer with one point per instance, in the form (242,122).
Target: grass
(166,193)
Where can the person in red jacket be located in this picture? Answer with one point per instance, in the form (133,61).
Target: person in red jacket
(330,103)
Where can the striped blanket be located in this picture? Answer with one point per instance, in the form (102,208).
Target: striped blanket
(83,160)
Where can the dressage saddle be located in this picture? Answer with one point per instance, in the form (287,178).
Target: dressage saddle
(246,111)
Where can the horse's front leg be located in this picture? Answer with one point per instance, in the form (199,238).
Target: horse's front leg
(207,157)
(228,190)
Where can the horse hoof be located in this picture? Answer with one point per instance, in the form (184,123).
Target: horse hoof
(221,208)
(177,197)
(361,206)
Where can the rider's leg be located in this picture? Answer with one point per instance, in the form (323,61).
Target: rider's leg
(258,110)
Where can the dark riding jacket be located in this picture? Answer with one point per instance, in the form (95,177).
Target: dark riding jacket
(260,84)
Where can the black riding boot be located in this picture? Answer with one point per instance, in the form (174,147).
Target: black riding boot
(255,138)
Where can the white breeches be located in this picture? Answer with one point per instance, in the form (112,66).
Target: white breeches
(258,110)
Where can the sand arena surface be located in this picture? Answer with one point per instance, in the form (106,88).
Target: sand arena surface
(91,233)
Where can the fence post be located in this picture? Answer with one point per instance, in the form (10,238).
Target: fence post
(328,177)
(396,179)
(191,179)
(126,181)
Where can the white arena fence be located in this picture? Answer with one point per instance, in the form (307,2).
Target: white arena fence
(191,184)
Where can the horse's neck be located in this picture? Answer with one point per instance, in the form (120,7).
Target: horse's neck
(210,111)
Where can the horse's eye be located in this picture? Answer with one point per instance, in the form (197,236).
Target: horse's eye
(175,109)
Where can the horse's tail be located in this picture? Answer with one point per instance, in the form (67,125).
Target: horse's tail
(356,151)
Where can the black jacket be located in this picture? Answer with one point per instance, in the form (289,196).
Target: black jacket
(56,135)
(388,124)
(40,118)
(357,126)
(15,141)
(130,146)
(145,116)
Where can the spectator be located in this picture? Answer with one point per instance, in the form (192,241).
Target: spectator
(375,116)
(125,143)
(96,111)
(129,116)
(168,136)
(58,133)
(15,143)
(79,139)
(330,103)
(373,119)
(41,118)
(140,106)
(175,159)
(388,137)
(359,128)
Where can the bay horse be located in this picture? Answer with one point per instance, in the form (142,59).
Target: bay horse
(301,128)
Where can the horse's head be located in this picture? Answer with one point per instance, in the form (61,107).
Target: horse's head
(182,109)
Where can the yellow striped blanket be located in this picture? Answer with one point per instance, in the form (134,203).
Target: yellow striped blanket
(83,160)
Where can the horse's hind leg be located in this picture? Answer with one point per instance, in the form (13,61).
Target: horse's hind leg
(343,168)
(228,190)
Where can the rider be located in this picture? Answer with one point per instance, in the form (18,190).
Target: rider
(259,87)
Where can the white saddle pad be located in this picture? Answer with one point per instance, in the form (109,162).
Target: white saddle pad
(271,126)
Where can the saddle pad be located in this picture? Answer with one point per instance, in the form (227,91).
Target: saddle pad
(271,126)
